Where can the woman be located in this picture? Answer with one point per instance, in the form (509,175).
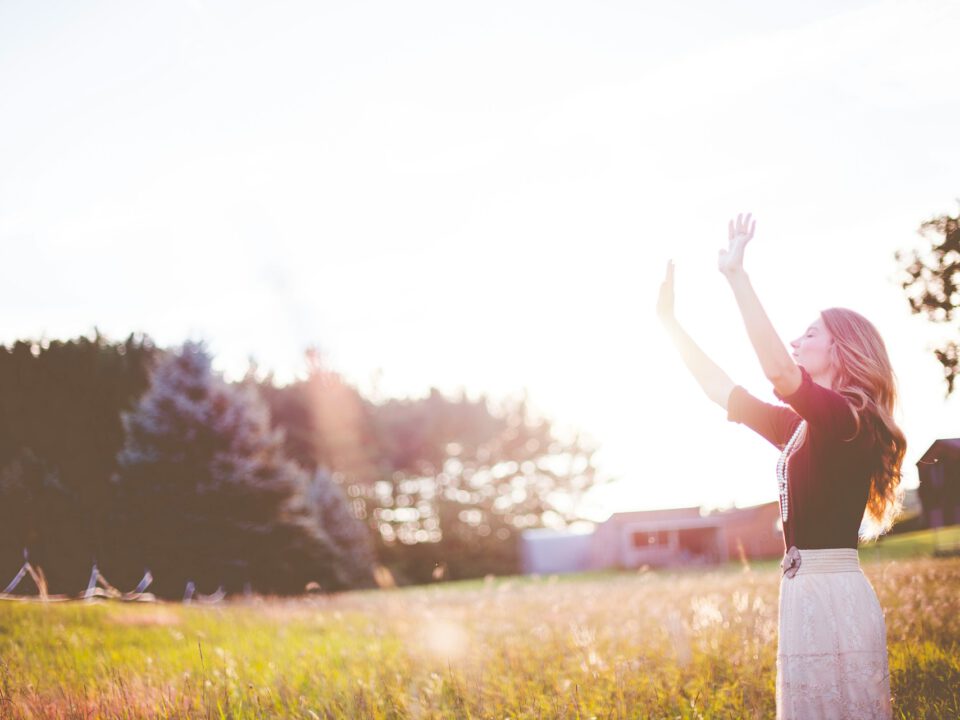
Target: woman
(839,471)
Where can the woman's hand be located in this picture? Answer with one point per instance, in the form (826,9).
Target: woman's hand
(730,262)
(665,301)
(714,381)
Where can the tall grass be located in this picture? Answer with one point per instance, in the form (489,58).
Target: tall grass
(630,645)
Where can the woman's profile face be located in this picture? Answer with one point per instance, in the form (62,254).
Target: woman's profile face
(812,350)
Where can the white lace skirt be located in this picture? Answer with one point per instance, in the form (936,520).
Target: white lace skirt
(832,651)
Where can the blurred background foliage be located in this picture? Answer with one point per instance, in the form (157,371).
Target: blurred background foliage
(138,457)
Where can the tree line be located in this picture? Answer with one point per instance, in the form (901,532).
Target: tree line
(138,457)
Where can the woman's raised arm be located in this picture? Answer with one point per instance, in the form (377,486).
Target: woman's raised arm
(776,362)
(714,381)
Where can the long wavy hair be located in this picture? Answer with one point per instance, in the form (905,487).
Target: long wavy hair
(865,377)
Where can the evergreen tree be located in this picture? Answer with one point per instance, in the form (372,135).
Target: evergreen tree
(208,492)
(349,534)
(60,430)
(326,423)
(31,495)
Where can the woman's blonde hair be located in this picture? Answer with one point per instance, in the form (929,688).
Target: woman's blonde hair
(865,377)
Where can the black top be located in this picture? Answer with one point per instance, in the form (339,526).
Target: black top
(829,476)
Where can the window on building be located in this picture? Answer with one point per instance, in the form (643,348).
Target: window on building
(659,538)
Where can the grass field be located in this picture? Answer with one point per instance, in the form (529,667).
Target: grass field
(627,645)
(922,543)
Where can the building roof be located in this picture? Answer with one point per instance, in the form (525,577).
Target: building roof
(678,523)
(687,513)
(692,513)
(941,450)
(553,533)
(752,511)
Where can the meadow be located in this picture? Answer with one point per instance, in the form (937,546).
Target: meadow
(643,644)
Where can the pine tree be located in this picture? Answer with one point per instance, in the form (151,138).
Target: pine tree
(350,536)
(60,431)
(208,493)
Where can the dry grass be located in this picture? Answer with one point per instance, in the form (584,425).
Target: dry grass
(650,645)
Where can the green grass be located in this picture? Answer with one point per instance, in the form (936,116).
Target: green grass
(922,543)
(613,645)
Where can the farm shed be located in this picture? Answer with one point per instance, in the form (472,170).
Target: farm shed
(658,538)
(545,551)
(939,490)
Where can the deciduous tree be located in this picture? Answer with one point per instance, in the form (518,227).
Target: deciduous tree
(930,277)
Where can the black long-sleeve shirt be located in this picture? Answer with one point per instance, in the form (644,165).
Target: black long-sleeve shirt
(829,475)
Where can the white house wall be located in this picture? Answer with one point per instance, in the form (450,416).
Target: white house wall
(555,553)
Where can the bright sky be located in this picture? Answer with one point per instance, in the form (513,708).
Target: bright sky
(485,196)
